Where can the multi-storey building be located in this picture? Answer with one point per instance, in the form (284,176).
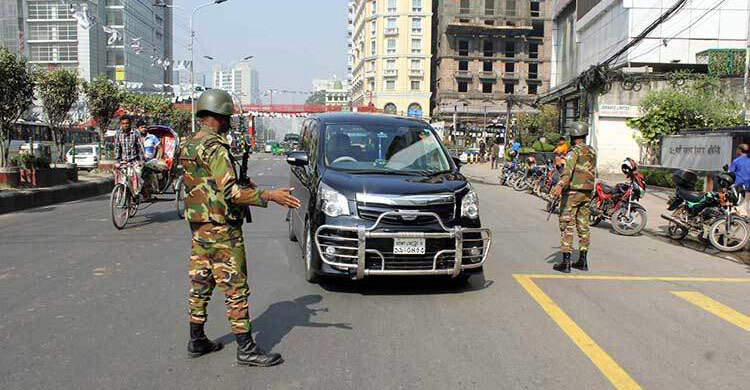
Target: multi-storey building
(392,55)
(11,24)
(144,42)
(486,51)
(336,92)
(350,42)
(240,79)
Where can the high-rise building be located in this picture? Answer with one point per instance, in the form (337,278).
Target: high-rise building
(392,55)
(143,42)
(240,79)
(11,25)
(487,51)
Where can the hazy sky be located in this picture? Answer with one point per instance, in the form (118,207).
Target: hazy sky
(293,41)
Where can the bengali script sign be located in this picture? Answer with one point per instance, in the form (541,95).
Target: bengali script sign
(696,152)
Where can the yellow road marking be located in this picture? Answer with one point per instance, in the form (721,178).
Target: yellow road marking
(616,375)
(716,308)
(637,278)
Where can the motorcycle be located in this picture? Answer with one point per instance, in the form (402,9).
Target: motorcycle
(619,204)
(711,214)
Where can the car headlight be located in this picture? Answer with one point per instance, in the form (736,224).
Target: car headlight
(332,202)
(470,205)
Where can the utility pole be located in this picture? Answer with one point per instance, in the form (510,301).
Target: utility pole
(747,68)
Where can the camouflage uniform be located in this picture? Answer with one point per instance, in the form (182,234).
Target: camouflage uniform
(577,181)
(214,208)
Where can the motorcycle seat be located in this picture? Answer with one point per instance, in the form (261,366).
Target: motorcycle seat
(608,189)
(690,196)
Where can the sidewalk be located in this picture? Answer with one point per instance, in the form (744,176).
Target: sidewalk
(88,185)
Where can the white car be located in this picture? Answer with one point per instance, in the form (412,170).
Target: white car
(87,156)
(464,157)
(270,145)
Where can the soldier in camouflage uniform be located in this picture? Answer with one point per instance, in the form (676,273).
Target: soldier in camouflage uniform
(576,187)
(215,206)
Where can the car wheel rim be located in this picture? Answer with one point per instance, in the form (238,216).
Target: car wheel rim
(308,250)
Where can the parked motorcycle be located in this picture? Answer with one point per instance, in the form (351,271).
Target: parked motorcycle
(711,214)
(619,203)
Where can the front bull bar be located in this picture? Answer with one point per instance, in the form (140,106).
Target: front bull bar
(363,233)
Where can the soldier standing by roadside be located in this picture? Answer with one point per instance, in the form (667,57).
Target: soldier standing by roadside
(576,187)
(494,151)
(214,207)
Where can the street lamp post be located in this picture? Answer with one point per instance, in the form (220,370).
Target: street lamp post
(230,64)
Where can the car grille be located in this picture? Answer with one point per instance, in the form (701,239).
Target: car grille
(371,212)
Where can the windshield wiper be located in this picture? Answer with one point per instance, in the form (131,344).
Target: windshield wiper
(381,172)
(427,172)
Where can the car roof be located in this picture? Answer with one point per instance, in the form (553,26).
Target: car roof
(368,119)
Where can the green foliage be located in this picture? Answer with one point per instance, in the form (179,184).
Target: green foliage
(663,178)
(16,94)
(317,98)
(103,98)
(29,161)
(526,150)
(57,90)
(696,104)
(542,146)
(149,107)
(180,121)
(552,138)
(726,62)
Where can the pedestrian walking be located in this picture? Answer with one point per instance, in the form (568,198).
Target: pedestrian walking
(482,151)
(215,209)
(494,150)
(576,187)
(741,168)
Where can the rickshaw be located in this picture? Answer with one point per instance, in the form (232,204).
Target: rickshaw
(164,175)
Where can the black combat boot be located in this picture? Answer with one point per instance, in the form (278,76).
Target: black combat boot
(564,265)
(582,262)
(250,354)
(199,344)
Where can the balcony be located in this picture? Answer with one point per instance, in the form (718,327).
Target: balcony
(390,72)
(370,73)
(416,72)
(510,76)
(463,74)
(477,28)
(488,75)
(390,31)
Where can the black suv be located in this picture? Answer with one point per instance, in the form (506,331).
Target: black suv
(381,196)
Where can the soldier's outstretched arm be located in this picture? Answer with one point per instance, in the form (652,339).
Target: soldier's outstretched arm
(226,179)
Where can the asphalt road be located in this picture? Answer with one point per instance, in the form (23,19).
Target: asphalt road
(84,306)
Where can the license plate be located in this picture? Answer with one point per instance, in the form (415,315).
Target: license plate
(408,246)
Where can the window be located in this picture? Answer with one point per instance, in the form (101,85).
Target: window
(489,7)
(416,85)
(537,28)
(487,48)
(463,48)
(373,28)
(510,67)
(390,85)
(510,49)
(41,53)
(463,86)
(415,110)
(114,17)
(463,65)
(510,88)
(416,46)
(374,9)
(510,8)
(390,64)
(390,108)
(533,70)
(391,45)
(486,87)
(117,57)
(416,5)
(465,7)
(532,89)
(373,47)
(416,26)
(534,9)
(391,23)
(416,64)
(391,6)
(489,22)
(487,66)
(533,50)
(52,32)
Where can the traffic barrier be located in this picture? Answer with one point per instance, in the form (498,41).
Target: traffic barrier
(17,200)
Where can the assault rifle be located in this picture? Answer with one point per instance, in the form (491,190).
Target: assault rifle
(244,180)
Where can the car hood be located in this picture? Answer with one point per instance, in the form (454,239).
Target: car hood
(350,184)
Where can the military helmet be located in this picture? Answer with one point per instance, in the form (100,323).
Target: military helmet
(578,129)
(215,101)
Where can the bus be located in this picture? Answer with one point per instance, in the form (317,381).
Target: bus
(41,136)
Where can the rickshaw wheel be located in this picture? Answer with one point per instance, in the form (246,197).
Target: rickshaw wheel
(120,205)
(179,198)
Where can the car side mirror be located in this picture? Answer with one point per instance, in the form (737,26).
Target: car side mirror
(297,158)
(457,161)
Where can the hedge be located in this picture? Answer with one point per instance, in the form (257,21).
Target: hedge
(663,178)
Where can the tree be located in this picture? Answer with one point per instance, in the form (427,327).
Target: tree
(699,103)
(150,107)
(103,98)
(318,97)
(180,121)
(16,94)
(57,90)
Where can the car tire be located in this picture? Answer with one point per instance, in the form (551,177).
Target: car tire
(310,256)
(292,236)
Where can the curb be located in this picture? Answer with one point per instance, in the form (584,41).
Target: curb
(26,199)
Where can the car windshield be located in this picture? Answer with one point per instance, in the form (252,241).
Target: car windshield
(377,148)
(82,150)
